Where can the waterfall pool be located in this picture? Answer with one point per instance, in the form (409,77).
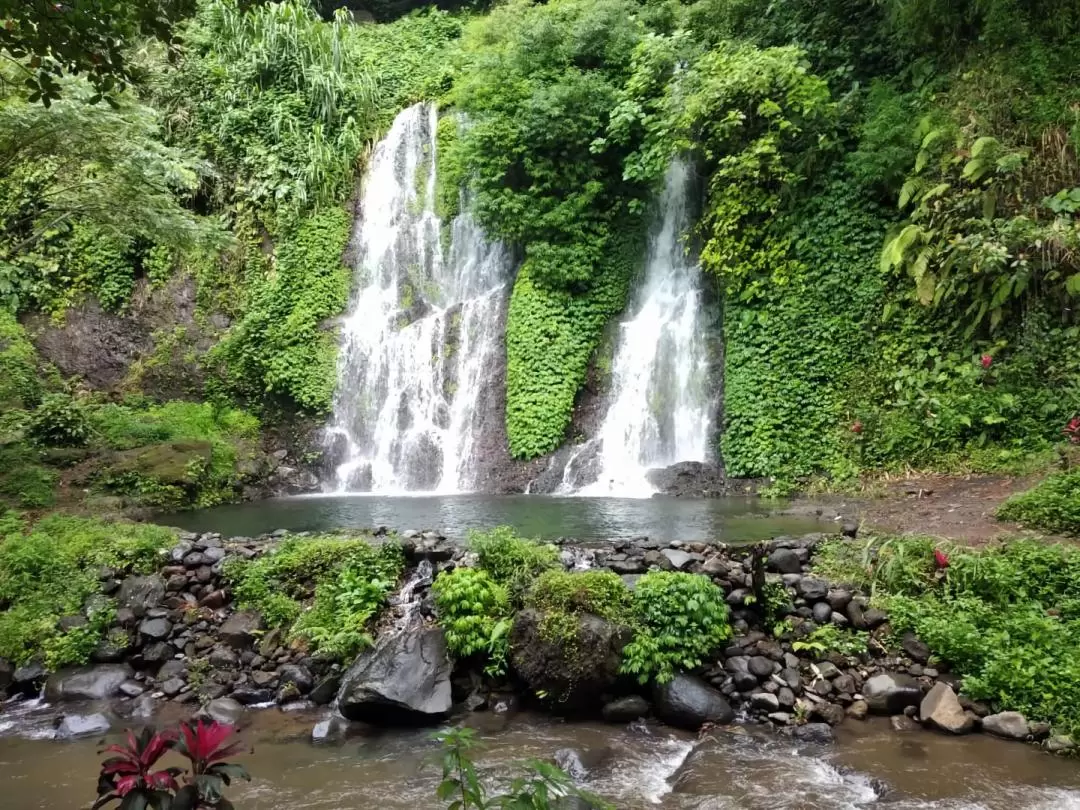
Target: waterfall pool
(729,520)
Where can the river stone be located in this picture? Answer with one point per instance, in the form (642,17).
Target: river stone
(575,676)
(858,710)
(625,710)
(902,723)
(820,733)
(139,594)
(405,677)
(333,729)
(784,561)
(917,650)
(679,559)
(577,764)
(74,726)
(812,589)
(155,629)
(225,711)
(822,613)
(29,677)
(240,630)
(765,702)
(87,683)
(688,702)
(838,599)
(1010,725)
(325,690)
(1060,744)
(891,692)
(760,667)
(250,695)
(172,687)
(942,710)
(296,675)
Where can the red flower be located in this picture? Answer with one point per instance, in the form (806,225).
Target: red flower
(1072,430)
(986,361)
(941,558)
(856,426)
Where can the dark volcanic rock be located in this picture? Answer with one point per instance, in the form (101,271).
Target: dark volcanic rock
(688,702)
(689,479)
(625,710)
(89,683)
(139,594)
(404,678)
(573,675)
(240,630)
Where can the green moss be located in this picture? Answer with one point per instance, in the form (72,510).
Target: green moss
(50,570)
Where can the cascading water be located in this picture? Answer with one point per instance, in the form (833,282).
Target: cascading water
(660,408)
(421,332)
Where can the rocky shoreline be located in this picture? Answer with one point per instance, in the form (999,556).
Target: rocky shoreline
(178,638)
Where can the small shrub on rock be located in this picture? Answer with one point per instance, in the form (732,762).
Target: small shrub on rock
(681,620)
(512,561)
(474,611)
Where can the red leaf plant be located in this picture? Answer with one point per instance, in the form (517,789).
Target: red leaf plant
(130,777)
(1072,430)
(941,558)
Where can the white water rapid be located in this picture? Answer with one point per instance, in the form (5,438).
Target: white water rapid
(660,408)
(421,332)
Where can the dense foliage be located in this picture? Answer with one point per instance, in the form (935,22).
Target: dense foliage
(474,610)
(681,620)
(1000,615)
(51,570)
(327,590)
(512,561)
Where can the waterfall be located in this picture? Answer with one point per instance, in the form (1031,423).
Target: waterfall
(660,407)
(422,329)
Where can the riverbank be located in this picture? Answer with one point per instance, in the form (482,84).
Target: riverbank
(227,623)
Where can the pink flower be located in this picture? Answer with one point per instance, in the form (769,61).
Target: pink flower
(941,558)
(986,361)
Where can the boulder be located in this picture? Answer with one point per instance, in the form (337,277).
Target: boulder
(678,558)
(87,683)
(404,678)
(250,695)
(765,702)
(241,629)
(625,710)
(941,709)
(891,692)
(574,675)
(688,702)
(74,726)
(1010,725)
(296,675)
(225,711)
(325,690)
(784,561)
(812,589)
(578,764)
(688,479)
(139,594)
(28,678)
(332,730)
(155,629)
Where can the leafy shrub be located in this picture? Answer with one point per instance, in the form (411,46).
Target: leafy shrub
(345,606)
(60,421)
(344,580)
(50,570)
(474,610)
(512,561)
(681,620)
(19,384)
(1052,506)
(600,593)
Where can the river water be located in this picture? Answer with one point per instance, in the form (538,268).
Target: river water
(730,520)
(635,767)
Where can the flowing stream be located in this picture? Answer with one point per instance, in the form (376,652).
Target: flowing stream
(660,407)
(421,331)
(636,767)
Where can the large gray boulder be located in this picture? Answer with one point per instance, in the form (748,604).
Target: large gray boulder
(941,709)
(573,675)
(891,693)
(688,702)
(87,683)
(403,679)
(241,629)
(74,726)
(1010,725)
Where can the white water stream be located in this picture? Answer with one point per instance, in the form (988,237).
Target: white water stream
(660,407)
(421,331)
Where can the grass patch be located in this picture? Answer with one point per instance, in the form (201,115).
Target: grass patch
(50,570)
(1052,506)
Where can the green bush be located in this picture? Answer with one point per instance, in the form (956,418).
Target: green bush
(50,570)
(60,421)
(474,610)
(345,606)
(19,383)
(1052,506)
(342,582)
(681,620)
(512,561)
(600,593)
